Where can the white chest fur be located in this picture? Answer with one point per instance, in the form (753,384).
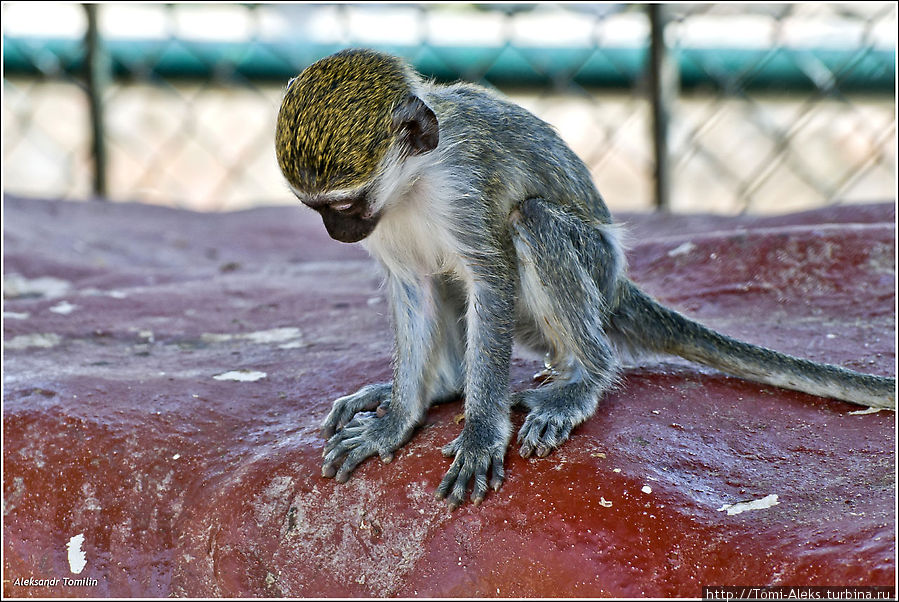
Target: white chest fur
(414,236)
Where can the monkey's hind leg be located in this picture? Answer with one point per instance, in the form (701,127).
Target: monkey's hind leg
(568,270)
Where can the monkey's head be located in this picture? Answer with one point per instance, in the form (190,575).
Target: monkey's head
(343,122)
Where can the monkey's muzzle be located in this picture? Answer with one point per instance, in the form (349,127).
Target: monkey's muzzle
(346,220)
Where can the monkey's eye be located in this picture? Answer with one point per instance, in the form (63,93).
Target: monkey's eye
(342,205)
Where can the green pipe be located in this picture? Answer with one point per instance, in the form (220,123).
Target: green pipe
(778,69)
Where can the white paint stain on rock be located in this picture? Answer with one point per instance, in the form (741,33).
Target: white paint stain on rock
(681,249)
(96,292)
(739,507)
(44,340)
(289,337)
(244,376)
(292,345)
(15,315)
(276,335)
(77,558)
(16,285)
(64,308)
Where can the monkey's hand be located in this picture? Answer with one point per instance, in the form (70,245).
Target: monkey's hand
(480,447)
(367,434)
(369,397)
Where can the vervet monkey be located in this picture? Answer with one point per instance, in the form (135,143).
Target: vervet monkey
(489,229)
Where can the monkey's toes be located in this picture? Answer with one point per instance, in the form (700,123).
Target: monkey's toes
(452,448)
(542,434)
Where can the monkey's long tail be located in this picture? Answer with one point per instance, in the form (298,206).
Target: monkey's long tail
(644,323)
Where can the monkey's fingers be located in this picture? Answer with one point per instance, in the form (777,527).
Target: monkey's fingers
(345,456)
(343,442)
(352,460)
(452,487)
(468,466)
(354,430)
(333,456)
(479,490)
(341,412)
(499,474)
(368,398)
(331,426)
(366,434)
(455,483)
(448,480)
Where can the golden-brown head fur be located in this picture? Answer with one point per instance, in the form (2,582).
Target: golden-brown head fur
(334,126)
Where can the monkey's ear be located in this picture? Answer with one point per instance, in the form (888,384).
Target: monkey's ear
(416,125)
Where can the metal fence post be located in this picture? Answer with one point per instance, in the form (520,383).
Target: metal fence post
(663,82)
(98,74)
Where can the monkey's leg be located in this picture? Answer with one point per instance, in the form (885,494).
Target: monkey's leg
(567,268)
(416,312)
(482,445)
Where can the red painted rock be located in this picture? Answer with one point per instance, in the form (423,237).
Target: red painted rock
(165,373)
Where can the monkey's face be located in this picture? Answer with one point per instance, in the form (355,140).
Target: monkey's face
(343,120)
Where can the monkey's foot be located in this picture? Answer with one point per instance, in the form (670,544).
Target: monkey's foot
(367,398)
(477,450)
(367,434)
(554,412)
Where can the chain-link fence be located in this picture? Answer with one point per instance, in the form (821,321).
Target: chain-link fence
(762,107)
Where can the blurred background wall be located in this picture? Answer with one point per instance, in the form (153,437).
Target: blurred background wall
(754,107)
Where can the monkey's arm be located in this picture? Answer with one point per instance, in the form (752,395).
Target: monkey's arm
(414,307)
(485,436)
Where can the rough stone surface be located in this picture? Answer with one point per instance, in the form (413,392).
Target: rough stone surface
(119,318)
